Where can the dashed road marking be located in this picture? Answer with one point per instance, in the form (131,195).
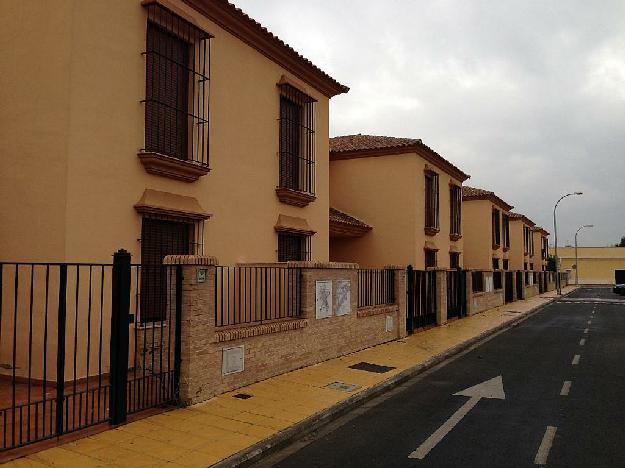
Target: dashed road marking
(566,388)
(545,446)
(589,322)
(575,360)
(585,330)
(582,342)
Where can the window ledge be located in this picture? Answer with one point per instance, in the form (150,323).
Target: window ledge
(505,249)
(431,231)
(294,197)
(496,246)
(167,166)
(455,237)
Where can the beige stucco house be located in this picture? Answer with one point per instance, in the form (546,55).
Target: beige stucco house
(161,127)
(404,201)
(486,230)
(521,242)
(596,265)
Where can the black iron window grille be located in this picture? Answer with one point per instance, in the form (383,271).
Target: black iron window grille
(430,258)
(431,200)
(297,140)
(506,231)
(477,280)
(177,87)
(455,197)
(496,228)
(293,247)
(495,264)
(454,260)
(162,236)
(505,264)
(526,239)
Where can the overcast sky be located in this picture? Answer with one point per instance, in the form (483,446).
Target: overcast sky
(527,96)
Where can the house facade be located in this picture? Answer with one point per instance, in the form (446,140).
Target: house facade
(161,127)
(486,230)
(541,248)
(406,200)
(522,246)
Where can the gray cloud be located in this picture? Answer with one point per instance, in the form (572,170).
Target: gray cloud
(527,96)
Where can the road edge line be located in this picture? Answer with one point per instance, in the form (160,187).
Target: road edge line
(265,447)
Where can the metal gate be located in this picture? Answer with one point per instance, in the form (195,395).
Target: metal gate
(421,298)
(75,350)
(509,286)
(456,294)
(541,283)
(519,285)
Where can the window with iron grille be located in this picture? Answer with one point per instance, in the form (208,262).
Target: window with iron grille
(496,227)
(477,280)
(177,60)
(506,231)
(495,264)
(162,236)
(454,260)
(297,140)
(506,264)
(430,258)
(526,239)
(293,247)
(497,280)
(455,197)
(431,201)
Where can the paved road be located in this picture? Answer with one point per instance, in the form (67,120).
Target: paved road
(587,426)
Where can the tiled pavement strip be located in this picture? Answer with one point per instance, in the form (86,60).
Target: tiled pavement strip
(204,434)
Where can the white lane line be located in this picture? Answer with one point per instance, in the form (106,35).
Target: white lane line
(545,446)
(566,388)
(582,342)
(585,330)
(575,360)
(589,322)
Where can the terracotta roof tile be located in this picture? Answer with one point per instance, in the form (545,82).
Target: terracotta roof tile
(254,28)
(514,215)
(340,217)
(349,146)
(473,193)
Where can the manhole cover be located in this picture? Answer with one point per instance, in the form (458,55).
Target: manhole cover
(342,386)
(369,367)
(242,396)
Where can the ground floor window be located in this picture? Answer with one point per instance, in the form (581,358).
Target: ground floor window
(454,260)
(477,280)
(430,258)
(160,237)
(293,247)
(505,264)
(495,264)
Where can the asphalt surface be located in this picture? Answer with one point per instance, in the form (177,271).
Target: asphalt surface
(534,359)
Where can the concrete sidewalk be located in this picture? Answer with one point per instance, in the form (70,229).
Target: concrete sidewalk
(227,429)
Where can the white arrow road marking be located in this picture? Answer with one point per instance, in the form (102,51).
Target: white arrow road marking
(492,388)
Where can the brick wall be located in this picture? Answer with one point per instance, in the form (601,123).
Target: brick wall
(275,347)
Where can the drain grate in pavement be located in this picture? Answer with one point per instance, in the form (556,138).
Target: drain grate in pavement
(342,386)
(243,396)
(369,367)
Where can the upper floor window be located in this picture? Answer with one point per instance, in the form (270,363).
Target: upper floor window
(454,260)
(526,239)
(506,231)
(177,86)
(293,247)
(496,221)
(431,202)
(455,211)
(297,140)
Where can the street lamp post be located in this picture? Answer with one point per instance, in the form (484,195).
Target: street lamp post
(577,261)
(555,233)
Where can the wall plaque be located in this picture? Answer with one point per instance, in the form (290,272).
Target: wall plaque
(343,297)
(232,360)
(323,299)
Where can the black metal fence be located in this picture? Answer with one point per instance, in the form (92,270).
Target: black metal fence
(421,298)
(256,294)
(376,287)
(456,293)
(477,281)
(68,359)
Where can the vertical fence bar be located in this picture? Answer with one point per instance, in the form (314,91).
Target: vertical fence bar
(178,334)
(119,336)
(60,352)
(410,299)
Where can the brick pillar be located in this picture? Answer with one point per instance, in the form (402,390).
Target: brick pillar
(197,325)
(441,297)
(469,292)
(400,299)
